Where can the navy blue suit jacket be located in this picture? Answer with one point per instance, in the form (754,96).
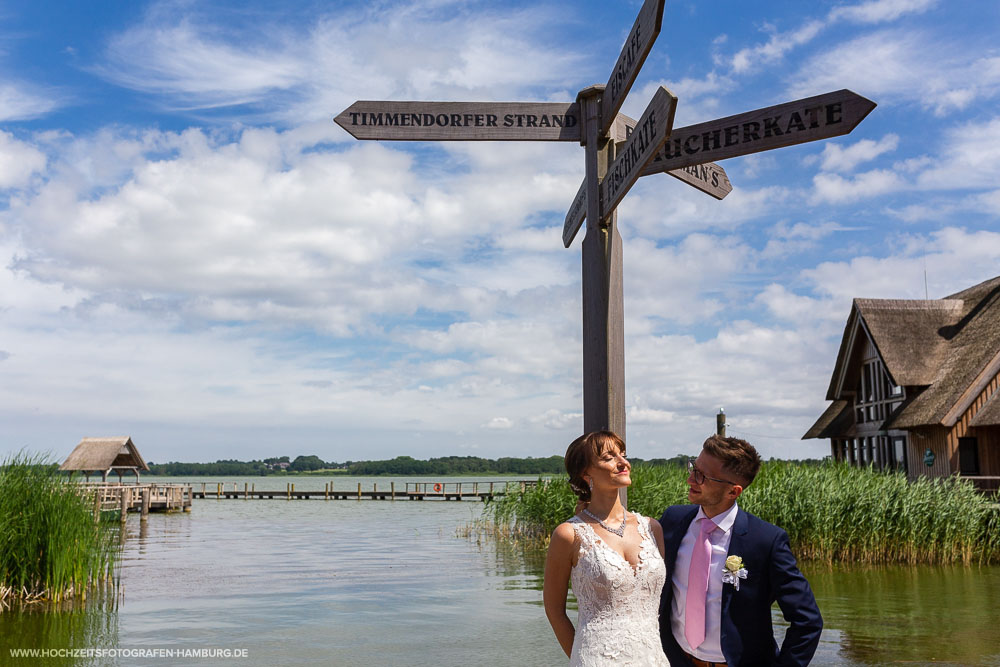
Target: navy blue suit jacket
(747,634)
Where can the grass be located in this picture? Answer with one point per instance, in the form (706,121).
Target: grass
(51,546)
(832,512)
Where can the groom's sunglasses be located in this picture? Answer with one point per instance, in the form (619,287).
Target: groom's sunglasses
(700,477)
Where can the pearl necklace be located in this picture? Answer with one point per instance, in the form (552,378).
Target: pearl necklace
(619,531)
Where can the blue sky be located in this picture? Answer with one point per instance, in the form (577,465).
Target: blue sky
(192,253)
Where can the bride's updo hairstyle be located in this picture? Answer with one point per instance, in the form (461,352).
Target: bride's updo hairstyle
(582,452)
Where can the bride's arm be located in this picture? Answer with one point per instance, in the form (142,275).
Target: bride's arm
(657,530)
(558,564)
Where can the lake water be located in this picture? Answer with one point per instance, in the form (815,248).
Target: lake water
(382,583)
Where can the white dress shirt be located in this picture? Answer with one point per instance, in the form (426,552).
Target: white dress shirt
(711,649)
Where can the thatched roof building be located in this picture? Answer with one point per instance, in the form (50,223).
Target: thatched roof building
(915,386)
(104,455)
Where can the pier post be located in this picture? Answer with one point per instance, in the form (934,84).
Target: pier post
(246,487)
(218,491)
(146,499)
(392,489)
(359,490)
(288,491)
(326,491)
(123,492)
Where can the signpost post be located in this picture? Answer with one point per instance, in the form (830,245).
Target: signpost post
(618,151)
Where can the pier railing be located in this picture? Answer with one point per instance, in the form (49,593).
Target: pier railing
(142,498)
(483,491)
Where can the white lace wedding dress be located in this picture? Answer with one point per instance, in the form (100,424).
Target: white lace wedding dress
(618,621)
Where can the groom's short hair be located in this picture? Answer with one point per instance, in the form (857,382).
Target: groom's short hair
(738,456)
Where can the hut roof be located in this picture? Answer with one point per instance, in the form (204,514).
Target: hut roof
(104,454)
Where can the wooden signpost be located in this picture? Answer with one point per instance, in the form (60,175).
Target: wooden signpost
(619,151)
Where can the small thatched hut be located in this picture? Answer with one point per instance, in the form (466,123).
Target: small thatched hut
(104,455)
(916,386)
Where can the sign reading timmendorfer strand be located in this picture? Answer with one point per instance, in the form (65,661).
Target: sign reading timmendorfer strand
(462,121)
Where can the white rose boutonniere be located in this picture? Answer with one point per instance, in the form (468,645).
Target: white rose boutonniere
(734,571)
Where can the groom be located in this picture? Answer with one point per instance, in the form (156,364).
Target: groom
(727,567)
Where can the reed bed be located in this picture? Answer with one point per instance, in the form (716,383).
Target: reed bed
(52,547)
(832,512)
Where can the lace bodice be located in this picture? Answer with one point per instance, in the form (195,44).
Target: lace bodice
(618,605)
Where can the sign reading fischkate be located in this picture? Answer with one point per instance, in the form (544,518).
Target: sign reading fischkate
(462,121)
(649,134)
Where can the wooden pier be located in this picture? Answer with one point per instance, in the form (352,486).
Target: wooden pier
(482,491)
(141,498)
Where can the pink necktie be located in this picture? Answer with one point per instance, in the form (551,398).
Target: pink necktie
(697,592)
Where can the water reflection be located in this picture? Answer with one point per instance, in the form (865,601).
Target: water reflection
(61,627)
(902,614)
(372,583)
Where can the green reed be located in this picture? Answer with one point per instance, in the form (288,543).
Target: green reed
(52,547)
(832,512)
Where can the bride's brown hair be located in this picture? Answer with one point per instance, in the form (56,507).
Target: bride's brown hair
(585,450)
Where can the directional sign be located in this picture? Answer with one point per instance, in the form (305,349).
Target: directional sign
(462,121)
(809,119)
(640,41)
(652,130)
(709,177)
(821,117)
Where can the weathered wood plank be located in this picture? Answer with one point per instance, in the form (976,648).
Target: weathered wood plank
(637,45)
(462,121)
(652,130)
(809,119)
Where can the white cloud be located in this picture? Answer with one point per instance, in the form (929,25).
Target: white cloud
(845,158)
(19,101)
(833,188)
(501,423)
(945,78)
(878,11)
(295,73)
(18,161)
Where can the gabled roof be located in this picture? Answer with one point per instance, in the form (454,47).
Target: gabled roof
(835,422)
(104,454)
(951,346)
(972,359)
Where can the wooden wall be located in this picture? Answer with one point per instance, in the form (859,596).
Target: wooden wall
(944,441)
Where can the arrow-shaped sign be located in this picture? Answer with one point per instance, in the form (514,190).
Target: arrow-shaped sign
(710,178)
(821,117)
(640,41)
(462,121)
(651,131)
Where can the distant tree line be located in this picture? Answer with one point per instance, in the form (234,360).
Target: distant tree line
(401,465)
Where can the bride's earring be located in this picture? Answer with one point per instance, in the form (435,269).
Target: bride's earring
(590,483)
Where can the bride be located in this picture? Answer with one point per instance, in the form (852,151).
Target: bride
(614,559)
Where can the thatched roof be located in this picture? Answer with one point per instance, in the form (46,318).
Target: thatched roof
(104,454)
(943,350)
(989,414)
(834,422)
(973,355)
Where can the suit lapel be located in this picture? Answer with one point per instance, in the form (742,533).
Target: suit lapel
(736,542)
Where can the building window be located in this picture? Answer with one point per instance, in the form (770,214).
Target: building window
(899,452)
(876,396)
(968,456)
